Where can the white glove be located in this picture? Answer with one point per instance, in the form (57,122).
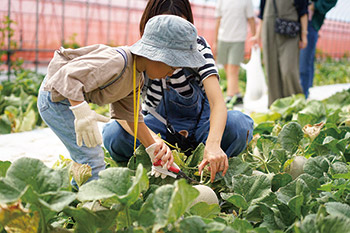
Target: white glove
(85,124)
(150,151)
(157,171)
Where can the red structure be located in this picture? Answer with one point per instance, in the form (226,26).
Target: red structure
(41,26)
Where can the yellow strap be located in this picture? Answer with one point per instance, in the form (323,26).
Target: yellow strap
(136,103)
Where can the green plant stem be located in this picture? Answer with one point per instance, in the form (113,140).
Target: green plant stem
(239,212)
(128,216)
(42,220)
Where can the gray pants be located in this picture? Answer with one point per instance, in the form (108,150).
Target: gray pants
(280,54)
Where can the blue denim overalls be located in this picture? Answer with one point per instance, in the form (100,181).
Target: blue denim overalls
(182,113)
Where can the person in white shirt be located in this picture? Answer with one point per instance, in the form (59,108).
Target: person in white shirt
(231,33)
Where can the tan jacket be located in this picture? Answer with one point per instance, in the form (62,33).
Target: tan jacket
(80,74)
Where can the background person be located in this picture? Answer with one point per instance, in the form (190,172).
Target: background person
(104,75)
(195,106)
(232,17)
(280,52)
(317,13)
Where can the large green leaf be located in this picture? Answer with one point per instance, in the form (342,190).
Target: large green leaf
(304,185)
(205,210)
(290,136)
(5,124)
(192,224)
(56,201)
(307,225)
(304,119)
(196,157)
(252,188)
(271,218)
(255,210)
(337,100)
(8,193)
(88,221)
(338,209)
(333,117)
(280,180)
(295,204)
(339,168)
(236,199)
(264,128)
(217,227)
(241,225)
(4,166)
(334,224)
(31,179)
(236,167)
(317,167)
(167,204)
(118,183)
(42,188)
(140,157)
(316,109)
(289,105)
(33,172)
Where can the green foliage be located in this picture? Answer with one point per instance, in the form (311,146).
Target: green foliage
(71,43)
(255,195)
(330,71)
(18,103)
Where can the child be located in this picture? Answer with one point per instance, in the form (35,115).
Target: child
(196,106)
(103,75)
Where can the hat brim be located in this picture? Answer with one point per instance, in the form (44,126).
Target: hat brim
(171,57)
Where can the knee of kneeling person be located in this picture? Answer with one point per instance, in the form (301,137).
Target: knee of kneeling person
(241,123)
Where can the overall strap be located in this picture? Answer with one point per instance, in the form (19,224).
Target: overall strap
(124,55)
(169,126)
(166,121)
(191,74)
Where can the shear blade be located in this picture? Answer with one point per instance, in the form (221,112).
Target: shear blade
(164,171)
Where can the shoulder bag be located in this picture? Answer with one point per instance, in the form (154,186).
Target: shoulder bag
(286,27)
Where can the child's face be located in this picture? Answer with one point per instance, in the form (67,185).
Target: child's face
(158,70)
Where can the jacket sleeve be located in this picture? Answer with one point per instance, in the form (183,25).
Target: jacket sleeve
(302,7)
(323,6)
(84,73)
(261,9)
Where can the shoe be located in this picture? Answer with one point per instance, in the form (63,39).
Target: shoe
(234,100)
(239,99)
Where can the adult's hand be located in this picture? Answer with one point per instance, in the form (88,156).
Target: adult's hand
(85,125)
(217,160)
(303,41)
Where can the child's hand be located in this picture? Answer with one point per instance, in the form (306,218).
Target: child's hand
(160,151)
(217,160)
(157,151)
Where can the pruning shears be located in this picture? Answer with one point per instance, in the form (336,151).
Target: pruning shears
(173,172)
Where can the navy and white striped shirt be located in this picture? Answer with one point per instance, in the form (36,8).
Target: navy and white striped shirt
(178,81)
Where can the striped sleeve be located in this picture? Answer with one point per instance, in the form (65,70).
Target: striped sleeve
(209,68)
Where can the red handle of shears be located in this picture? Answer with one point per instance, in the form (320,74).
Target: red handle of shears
(172,169)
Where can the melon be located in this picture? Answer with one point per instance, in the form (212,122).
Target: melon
(206,194)
(296,168)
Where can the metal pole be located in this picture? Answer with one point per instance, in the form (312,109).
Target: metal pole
(127,24)
(62,23)
(109,22)
(37,37)
(9,41)
(87,22)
